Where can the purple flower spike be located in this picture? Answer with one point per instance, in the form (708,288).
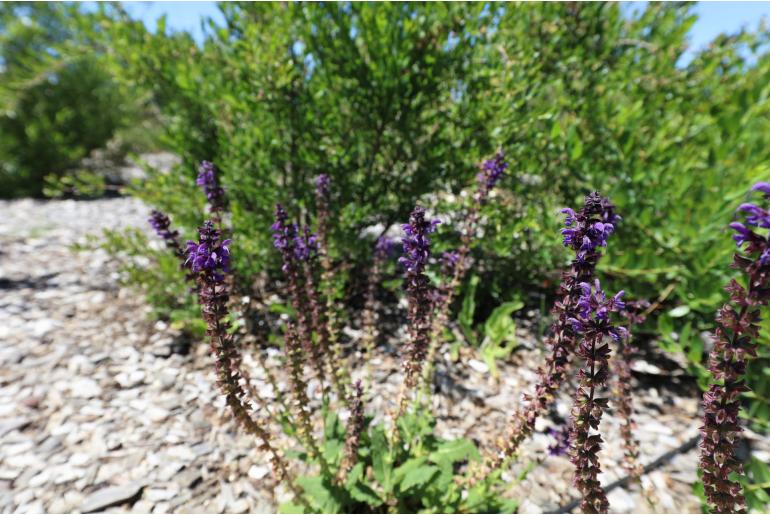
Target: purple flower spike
(323,185)
(160,222)
(207,180)
(305,245)
(419,295)
(492,170)
(449,260)
(416,243)
(738,325)
(210,256)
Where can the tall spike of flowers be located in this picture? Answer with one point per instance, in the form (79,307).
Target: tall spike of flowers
(209,183)
(162,226)
(634,315)
(592,322)
(416,253)
(585,233)
(383,250)
(293,250)
(455,264)
(339,369)
(736,334)
(209,260)
(301,402)
(492,170)
(353,432)
(307,253)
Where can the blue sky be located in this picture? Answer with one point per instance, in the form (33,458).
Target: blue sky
(713,17)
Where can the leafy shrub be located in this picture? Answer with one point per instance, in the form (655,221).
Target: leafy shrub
(56,104)
(396,103)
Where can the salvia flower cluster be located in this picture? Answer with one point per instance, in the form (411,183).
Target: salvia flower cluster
(736,334)
(492,170)
(585,233)
(416,245)
(584,327)
(161,224)
(209,183)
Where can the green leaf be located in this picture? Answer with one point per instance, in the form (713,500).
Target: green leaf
(381,465)
(290,507)
(418,476)
(455,450)
(319,493)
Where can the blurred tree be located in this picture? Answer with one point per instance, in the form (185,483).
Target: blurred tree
(57,102)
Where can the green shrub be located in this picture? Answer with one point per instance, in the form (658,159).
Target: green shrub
(396,102)
(56,104)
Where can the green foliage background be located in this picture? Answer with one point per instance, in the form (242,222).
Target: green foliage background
(399,102)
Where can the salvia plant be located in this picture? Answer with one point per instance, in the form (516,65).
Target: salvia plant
(736,333)
(349,460)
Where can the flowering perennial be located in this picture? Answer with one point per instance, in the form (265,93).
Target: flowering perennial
(285,238)
(592,322)
(736,334)
(584,238)
(209,260)
(416,253)
(208,181)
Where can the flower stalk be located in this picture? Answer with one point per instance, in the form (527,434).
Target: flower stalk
(355,427)
(455,264)
(592,322)
(621,367)
(418,289)
(382,251)
(294,250)
(585,233)
(736,334)
(209,260)
(333,350)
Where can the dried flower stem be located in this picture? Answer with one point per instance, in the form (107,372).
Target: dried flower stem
(294,358)
(621,366)
(382,251)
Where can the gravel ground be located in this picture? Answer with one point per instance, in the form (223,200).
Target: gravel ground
(97,412)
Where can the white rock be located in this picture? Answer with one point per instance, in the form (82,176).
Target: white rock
(257,472)
(85,388)
(478,366)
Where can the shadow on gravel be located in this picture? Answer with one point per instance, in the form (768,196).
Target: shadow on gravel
(37,283)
